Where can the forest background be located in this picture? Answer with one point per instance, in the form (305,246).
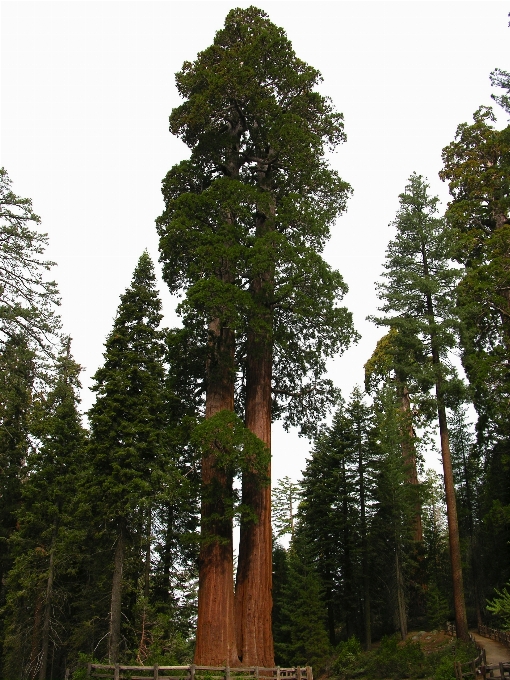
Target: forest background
(142,292)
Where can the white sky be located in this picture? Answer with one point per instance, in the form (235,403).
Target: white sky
(87,88)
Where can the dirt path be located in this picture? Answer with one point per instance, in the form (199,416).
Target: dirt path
(494,651)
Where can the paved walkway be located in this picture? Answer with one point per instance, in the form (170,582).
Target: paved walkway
(494,651)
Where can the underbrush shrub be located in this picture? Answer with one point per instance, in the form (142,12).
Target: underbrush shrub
(394,660)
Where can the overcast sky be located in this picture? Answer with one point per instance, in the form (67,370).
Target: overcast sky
(87,88)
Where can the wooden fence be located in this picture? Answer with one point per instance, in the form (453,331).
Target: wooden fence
(494,634)
(503,668)
(193,672)
(479,666)
(471,668)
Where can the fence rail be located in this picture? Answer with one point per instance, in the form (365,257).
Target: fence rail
(193,672)
(479,666)
(471,668)
(502,636)
(502,667)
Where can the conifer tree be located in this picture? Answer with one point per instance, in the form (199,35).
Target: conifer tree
(17,376)
(127,423)
(246,218)
(435,537)
(335,514)
(303,639)
(44,546)
(393,510)
(388,364)
(418,299)
(27,300)
(285,501)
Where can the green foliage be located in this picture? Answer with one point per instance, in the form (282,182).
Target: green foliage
(500,78)
(418,294)
(438,608)
(500,606)
(302,638)
(46,546)
(394,512)
(248,214)
(394,659)
(235,448)
(336,511)
(476,166)
(27,301)
(128,418)
(284,505)
(349,658)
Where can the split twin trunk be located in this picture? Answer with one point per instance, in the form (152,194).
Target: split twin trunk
(236,629)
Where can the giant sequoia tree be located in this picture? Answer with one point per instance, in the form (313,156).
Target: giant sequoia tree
(245,220)
(477,167)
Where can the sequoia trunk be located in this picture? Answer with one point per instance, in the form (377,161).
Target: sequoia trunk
(254,573)
(216,641)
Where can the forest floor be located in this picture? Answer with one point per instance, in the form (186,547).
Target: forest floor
(494,651)
(430,641)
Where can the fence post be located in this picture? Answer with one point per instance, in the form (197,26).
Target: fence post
(309,674)
(156,671)
(298,673)
(116,672)
(192,672)
(227,672)
(89,669)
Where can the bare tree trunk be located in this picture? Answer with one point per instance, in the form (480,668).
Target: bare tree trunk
(254,572)
(364,548)
(348,576)
(147,570)
(116,601)
(47,607)
(34,654)
(453,525)
(216,640)
(401,602)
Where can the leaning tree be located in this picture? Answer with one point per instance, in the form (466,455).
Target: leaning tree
(246,219)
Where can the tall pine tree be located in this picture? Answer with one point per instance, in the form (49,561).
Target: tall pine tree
(44,545)
(418,299)
(127,424)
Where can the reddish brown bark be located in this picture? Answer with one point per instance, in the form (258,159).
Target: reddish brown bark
(453,527)
(216,640)
(254,573)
